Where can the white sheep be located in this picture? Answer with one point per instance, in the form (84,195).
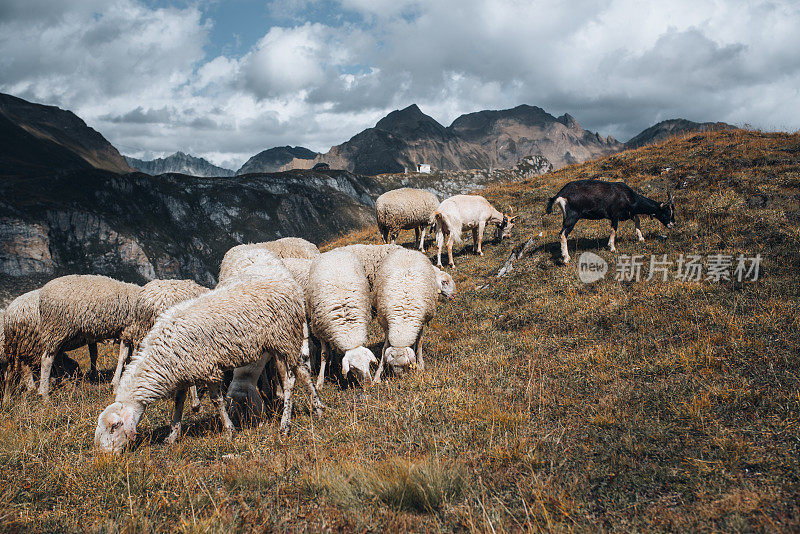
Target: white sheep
(244,321)
(467,212)
(242,255)
(23,349)
(404,209)
(82,309)
(155,298)
(407,288)
(338,298)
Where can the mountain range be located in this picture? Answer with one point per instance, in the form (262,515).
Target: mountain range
(481,140)
(179,163)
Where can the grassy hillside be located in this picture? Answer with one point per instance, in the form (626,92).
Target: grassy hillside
(547,404)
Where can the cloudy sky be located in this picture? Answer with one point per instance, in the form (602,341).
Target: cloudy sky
(227,79)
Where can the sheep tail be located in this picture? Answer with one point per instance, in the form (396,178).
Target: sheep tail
(450,222)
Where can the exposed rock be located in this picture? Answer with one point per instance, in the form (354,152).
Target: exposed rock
(137,227)
(178,163)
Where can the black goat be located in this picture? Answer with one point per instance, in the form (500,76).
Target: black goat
(615,201)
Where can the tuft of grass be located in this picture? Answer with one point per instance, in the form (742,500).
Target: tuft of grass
(424,485)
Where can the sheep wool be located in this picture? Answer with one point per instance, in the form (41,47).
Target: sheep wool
(404,209)
(244,321)
(292,247)
(153,300)
(299,267)
(85,309)
(405,296)
(370,257)
(338,300)
(250,259)
(232,326)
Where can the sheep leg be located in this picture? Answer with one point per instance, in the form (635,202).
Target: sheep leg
(450,250)
(194,399)
(439,243)
(567,227)
(304,374)
(613,236)
(474,240)
(637,222)
(323,359)
(481,227)
(44,376)
(177,414)
(27,378)
(124,352)
(379,372)
(215,392)
(420,360)
(422,238)
(93,376)
(288,379)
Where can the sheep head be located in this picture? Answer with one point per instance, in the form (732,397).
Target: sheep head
(401,359)
(358,359)
(445,284)
(116,426)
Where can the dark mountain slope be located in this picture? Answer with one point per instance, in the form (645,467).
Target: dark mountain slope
(60,127)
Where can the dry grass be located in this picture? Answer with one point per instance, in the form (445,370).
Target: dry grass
(546,405)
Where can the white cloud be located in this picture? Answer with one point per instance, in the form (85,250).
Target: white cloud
(142,77)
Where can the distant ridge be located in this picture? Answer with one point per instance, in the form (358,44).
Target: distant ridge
(669,128)
(38,137)
(276,159)
(179,163)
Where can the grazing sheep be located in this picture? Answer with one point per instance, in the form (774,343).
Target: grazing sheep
(247,320)
(154,299)
(407,287)
(81,309)
(22,346)
(467,212)
(338,299)
(404,209)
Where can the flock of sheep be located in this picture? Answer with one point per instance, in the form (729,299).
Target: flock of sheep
(249,337)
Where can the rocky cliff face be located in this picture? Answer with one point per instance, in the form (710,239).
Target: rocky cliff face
(179,163)
(482,140)
(277,159)
(38,137)
(136,227)
(672,127)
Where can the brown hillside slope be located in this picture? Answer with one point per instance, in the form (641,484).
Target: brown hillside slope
(547,404)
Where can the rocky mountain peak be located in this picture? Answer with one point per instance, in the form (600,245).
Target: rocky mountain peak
(411,123)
